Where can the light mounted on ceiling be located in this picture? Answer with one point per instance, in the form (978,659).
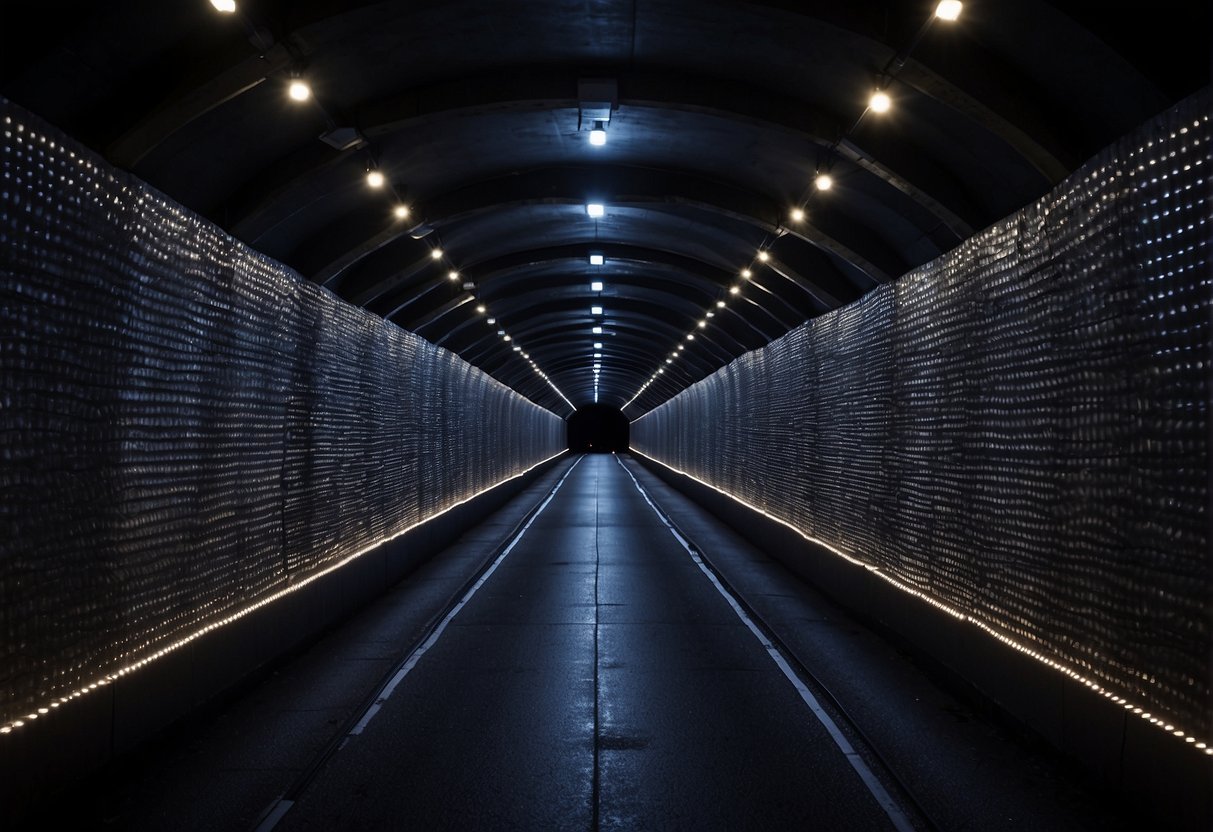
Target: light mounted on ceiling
(229,6)
(595,209)
(824,182)
(436,253)
(298,90)
(596,286)
(797,215)
(948,9)
(880,102)
(401,212)
(596,259)
(598,134)
(595,310)
(375,179)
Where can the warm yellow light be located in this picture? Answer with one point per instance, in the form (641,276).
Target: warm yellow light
(733,290)
(720,304)
(375,179)
(225,6)
(797,214)
(436,253)
(763,256)
(824,182)
(703,324)
(880,102)
(948,9)
(482,309)
(401,212)
(298,90)
(452,275)
(747,274)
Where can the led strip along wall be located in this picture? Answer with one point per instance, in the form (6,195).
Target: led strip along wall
(1014,428)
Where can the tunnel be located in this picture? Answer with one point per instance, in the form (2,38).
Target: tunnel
(627,415)
(598,429)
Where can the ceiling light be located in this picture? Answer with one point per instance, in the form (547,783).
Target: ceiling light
(711,314)
(596,259)
(880,102)
(824,182)
(481,309)
(681,348)
(946,10)
(661,369)
(298,90)
(669,361)
(436,253)
(597,330)
(690,336)
(734,290)
(747,274)
(720,304)
(401,211)
(596,286)
(797,215)
(229,6)
(763,256)
(597,345)
(501,332)
(598,134)
(595,209)
(517,348)
(595,310)
(703,324)
(508,338)
(491,321)
(452,275)
(375,179)
(598,355)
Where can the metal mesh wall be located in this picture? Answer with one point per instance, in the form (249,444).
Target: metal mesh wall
(1018,430)
(187,427)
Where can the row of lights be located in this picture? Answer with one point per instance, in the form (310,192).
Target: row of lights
(879,102)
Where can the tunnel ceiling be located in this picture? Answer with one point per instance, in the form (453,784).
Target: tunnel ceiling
(718,116)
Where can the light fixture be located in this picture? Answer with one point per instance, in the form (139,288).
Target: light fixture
(747,274)
(596,286)
(501,332)
(596,259)
(598,355)
(229,6)
(517,348)
(401,211)
(452,275)
(375,179)
(734,290)
(669,361)
(946,10)
(508,338)
(597,345)
(436,253)
(824,182)
(690,336)
(720,304)
(711,314)
(797,215)
(595,310)
(703,324)
(763,256)
(595,209)
(298,90)
(491,321)
(481,309)
(597,330)
(681,347)
(880,102)
(598,134)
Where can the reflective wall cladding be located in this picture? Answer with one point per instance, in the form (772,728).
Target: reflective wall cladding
(1018,430)
(187,427)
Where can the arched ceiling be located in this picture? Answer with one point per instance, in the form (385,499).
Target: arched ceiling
(720,114)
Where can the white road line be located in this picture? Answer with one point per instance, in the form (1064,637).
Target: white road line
(279,809)
(896,815)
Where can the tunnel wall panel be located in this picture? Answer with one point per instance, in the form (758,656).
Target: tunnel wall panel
(190,429)
(1017,432)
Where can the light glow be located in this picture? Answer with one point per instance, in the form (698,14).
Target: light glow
(597,345)
(596,286)
(747,274)
(481,309)
(597,330)
(763,256)
(595,209)
(824,182)
(227,6)
(436,253)
(948,9)
(298,90)
(721,304)
(597,259)
(375,179)
(452,275)
(401,212)
(733,290)
(880,102)
(595,310)
(598,134)
(797,215)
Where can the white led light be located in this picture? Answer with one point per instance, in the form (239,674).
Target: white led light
(880,102)
(597,259)
(298,90)
(597,330)
(401,211)
(669,361)
(507,338)
(598,134)
(596,286)
(703,324)
(720,304)
(481,309)
(229,6)
(763,256)
(690,336)
(436,253)
(824,182)
(491,321)
(597,345)
(595,310)
(733,290)
(797,214)
(747,274)
(948,9)
(375,179)
(452,275)
(595,209)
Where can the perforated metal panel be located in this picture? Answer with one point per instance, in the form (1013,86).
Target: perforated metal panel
(1018,430)
(187,427)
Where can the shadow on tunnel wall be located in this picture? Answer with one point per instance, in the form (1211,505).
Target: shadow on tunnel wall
(598,428)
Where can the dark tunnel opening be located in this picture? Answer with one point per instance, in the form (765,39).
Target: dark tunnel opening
(598,428)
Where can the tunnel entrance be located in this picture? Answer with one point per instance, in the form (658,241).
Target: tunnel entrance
(598,428)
